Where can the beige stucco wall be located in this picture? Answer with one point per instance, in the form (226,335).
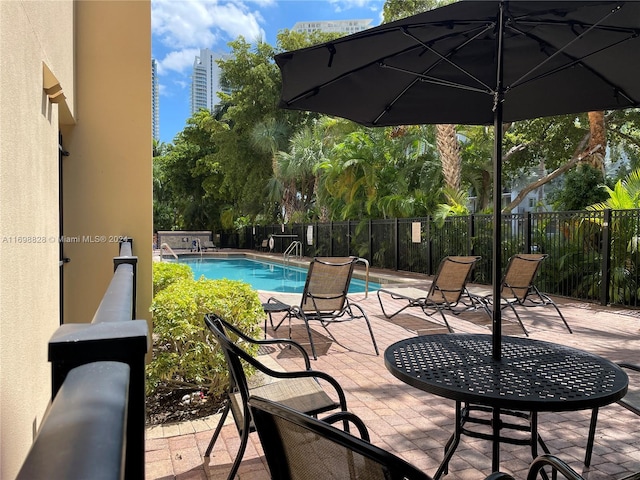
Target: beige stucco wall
(107,177)
(100,54)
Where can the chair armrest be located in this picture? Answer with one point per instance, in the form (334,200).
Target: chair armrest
(556,464)
(349,417)
(274,341)
(630,366)
(499,476)
(296,374)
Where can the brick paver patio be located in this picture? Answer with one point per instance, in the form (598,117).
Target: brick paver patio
(415,425)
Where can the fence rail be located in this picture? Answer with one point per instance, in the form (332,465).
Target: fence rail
(95,425)
(593,255)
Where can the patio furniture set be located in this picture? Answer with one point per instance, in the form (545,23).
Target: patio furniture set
(531,376)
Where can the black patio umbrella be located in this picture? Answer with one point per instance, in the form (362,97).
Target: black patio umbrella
(475,62)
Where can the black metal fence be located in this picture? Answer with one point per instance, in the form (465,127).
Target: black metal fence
(593,256)
(95,426)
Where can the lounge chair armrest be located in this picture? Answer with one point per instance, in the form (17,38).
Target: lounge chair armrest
(352,418)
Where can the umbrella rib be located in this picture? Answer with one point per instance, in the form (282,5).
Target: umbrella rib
(578,61)
(437,81)
(446,58)
(561,50)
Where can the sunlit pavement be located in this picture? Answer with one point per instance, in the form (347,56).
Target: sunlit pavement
(416,425)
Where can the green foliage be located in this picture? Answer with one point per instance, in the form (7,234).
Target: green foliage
(581,188)
(184,355)
(166,273)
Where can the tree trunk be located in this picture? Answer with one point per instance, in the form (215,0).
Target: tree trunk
(598,132)
(449,150)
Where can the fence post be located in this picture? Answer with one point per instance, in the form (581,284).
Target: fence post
(428,240)
(527,232)
(370,255)
(396,239)
(470,233)
(331,238)
(606,257)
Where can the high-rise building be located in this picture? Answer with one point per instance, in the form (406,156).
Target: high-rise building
(155,101)
(205,81)
(331,26)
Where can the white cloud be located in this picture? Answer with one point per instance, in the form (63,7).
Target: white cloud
(178,61)
(203,23)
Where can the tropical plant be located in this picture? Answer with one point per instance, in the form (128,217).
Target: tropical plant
(166,273)
(184,358)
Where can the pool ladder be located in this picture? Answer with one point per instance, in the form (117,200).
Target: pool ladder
(295,249)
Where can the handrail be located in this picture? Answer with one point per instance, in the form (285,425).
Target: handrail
(296,247)
(366,275)
(83,410)
(95,425)
(163,246)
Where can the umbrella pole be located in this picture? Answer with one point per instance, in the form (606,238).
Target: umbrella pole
(497,191)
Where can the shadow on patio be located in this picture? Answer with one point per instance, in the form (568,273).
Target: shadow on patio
(416,425)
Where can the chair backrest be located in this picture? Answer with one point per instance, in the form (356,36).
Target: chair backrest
(451,279)
(520,273)
(233,355)
(327,284)
(300,447)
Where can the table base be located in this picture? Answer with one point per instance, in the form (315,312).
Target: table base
(464,416)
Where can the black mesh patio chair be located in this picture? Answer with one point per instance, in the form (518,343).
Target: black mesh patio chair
(299,447)
(447,292)
(324,298)
(308,391)
(518,289)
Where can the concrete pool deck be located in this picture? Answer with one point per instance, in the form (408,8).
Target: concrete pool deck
(415,425)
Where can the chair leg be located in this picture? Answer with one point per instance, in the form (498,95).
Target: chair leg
(366,319)
(223,417)
(561,316)
(313,348)
(446,322)
(518,317)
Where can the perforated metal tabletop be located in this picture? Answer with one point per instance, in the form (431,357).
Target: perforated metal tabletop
(532,376)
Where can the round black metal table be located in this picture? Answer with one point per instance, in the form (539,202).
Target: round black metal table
(532,376)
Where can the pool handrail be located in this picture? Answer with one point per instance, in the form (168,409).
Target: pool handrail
(366,275)
(166,246)
(296,248)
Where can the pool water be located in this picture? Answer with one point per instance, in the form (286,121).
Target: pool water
(271,277)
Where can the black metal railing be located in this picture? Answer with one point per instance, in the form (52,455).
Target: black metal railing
(593,256)
(95,426)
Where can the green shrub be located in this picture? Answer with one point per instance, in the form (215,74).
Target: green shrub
(166,273)
(183,355)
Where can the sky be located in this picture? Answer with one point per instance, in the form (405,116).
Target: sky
(180,28)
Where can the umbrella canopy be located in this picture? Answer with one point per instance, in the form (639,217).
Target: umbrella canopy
(475,62)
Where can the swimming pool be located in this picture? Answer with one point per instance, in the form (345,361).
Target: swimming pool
(271,277)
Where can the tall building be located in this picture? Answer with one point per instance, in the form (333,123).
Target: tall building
(155,102)
(205,81)
(333,26)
